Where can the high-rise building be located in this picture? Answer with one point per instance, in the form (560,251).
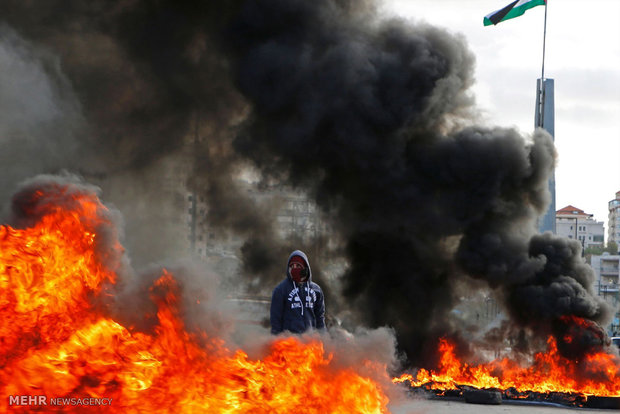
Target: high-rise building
(613,232)
(544,117)
(575,224)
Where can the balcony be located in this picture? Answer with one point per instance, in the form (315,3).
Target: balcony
(608,288)
(609,270)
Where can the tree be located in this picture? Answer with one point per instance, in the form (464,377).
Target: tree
(612,247)
(594,250)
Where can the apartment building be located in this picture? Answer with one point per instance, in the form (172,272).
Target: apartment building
(574,223)
(607,270)
(613,231)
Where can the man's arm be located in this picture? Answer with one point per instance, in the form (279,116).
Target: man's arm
(277,311)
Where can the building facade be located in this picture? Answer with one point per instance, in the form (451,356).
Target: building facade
(574,223)
(613,232)
(607,270)
(295,216)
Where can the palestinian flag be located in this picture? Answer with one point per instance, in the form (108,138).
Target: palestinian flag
(514,9)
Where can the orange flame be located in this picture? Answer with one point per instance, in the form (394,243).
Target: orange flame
(597,374)
(55,343)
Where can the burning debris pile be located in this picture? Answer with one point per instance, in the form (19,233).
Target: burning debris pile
(371,116)
(549,373)
(59,265)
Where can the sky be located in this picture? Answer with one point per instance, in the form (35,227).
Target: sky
(582,55)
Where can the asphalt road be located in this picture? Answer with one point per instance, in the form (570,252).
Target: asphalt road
(424,406)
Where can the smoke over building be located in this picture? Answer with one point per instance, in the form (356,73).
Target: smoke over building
(370,116)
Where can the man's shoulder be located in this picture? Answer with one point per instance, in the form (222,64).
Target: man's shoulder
(315,286)
(283,285)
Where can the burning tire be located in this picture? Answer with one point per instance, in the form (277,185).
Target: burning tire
(476,396)
(603,402)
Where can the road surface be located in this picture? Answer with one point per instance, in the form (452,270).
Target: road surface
(425,406)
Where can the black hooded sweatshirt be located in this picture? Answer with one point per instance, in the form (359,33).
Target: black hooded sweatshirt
(287,311)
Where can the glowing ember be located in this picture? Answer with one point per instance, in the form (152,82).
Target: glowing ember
(55,342)
(596,374)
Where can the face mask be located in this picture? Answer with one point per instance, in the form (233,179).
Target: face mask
(299,275)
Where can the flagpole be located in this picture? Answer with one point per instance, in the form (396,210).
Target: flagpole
(541,97)
(547,123)
(544,41)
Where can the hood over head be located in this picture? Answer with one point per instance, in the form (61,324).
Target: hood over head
(301,254)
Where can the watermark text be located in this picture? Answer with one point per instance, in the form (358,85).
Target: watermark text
(43,400)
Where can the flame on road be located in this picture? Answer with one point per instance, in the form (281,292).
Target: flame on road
(56,339)
(596,374)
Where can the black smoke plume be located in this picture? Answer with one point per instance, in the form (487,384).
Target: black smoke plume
(371,116)
(111,90)
(364,113)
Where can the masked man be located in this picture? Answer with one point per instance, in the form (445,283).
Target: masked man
(297,303)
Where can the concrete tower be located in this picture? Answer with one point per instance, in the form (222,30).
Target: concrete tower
(545,118)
